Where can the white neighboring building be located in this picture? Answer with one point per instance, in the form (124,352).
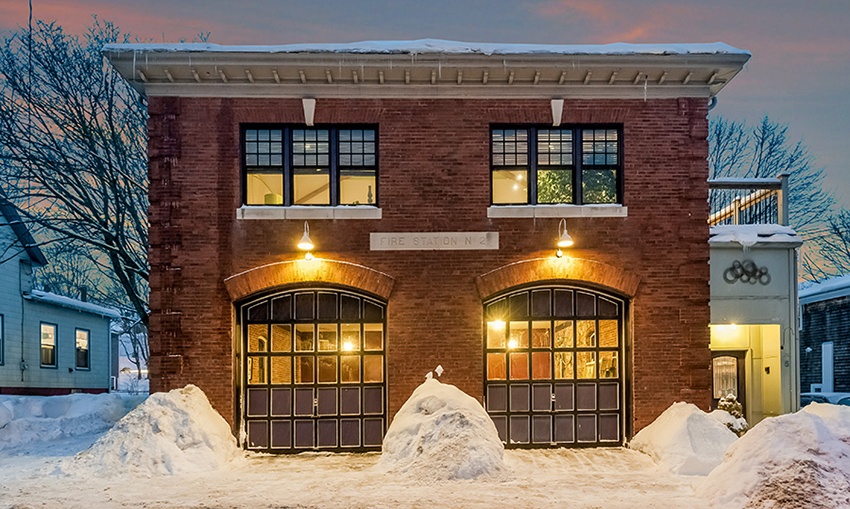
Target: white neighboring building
(754,340)
(49,344)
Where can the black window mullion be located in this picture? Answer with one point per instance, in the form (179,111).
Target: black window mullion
(620,185)
(532,166)
(243,145)
(333,169)
(287,168)
(578,195)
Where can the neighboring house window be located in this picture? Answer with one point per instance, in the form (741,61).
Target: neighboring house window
(2,338)
(48,345)
(82,336)
(537,166)
(310,166)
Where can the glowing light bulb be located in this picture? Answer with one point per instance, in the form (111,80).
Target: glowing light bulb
(513,344)
(347,346)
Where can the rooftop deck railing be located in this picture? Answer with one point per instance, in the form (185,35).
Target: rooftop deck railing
(748,200)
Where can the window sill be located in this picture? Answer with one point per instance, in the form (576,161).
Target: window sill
(515,211)
(341,212)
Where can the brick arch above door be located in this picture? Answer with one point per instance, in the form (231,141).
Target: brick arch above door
(299,272)
(537,270)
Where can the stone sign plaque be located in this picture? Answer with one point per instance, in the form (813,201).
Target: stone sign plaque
(433,241)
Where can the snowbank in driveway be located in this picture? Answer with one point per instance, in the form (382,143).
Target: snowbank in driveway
(685,440)
(28,419)
(170,433)
(442,433)
(795,460)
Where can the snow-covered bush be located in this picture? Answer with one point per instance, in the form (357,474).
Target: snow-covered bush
(736,421)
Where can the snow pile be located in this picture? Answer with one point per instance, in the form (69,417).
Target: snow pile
(27,419)
(442,433)
(685,440)
(170,433)
(795,460)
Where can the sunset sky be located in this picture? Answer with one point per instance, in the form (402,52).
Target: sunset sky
(799,73)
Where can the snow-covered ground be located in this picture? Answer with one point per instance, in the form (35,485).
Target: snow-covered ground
(174,451)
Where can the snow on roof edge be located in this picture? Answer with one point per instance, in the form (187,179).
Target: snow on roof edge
(85,307)
(830,289)
(751,234)
(439,46)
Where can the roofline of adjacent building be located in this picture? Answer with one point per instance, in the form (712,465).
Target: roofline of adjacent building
(53,299)
(10,213)
(834,288)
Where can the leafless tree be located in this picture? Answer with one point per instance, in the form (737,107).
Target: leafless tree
(73,154)
(73,162)
(737,149)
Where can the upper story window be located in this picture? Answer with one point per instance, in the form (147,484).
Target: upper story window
(310,166)
(531,165)
(48,345)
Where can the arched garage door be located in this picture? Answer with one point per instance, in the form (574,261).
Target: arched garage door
(313,371)
(554,361)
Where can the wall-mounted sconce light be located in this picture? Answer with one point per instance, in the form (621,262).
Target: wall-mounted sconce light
(305,244)
(564,238)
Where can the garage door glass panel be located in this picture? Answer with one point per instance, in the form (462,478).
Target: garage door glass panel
(554,366)
(281,338)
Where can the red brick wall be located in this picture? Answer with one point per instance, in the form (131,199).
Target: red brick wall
(433,176)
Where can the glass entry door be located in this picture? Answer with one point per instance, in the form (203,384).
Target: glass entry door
(554,367)
(313,372)
(728,376)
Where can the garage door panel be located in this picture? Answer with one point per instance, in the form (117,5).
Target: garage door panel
(304,401)
(564,397)
(327,431)
(326,401)
(564,428)
(304,433)
(609,396)
(609,427)
(541,397)
(519,398)
(258,434)
(281,402)
(349,401)
(519,429)
(497,398)
(350,432)
(281,434)
(258,402)
(373,432)
(541,429)
(586,397)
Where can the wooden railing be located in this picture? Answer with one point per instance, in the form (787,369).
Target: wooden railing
(748,200)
